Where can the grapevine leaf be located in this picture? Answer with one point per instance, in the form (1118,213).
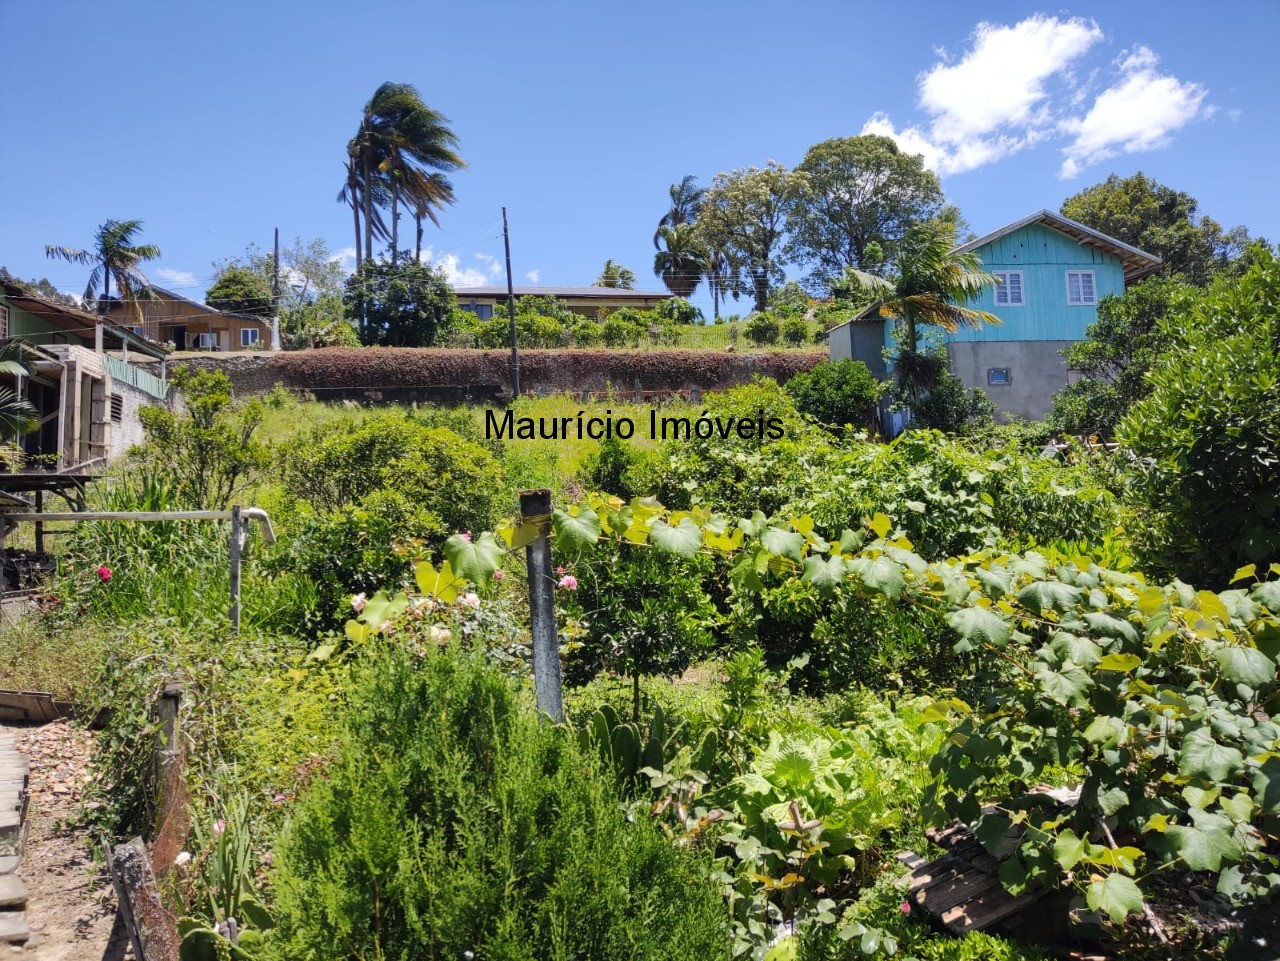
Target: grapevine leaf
(880,576)
(881,525)
(684,539)
(1245,665)
(475,559)
(1206,843)
(1244,573)
(977,625)
(1066,685)
(825,574)
(1268,595)
(1115,895)
(1042,596)
(1202,756)
(782,543)
(1068,849)
(576,532)
(1122,663)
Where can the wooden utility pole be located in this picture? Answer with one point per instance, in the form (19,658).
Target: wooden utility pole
(535,508)
(275,295)
(511,311)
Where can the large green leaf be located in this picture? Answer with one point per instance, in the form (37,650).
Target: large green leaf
(880,576)
(1115,895)
(1042,596)
(782,543)
(1245,665)
(1065,685)
(825,574)
(684,539)
(1202,756)
(1079,650)
(1268,595)
(474,558)
(1069,849)
(576,532)
(1206,843)
(977,625)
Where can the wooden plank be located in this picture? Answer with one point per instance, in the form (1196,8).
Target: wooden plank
(944,868)
(986,909)
(940,898)
(151,929)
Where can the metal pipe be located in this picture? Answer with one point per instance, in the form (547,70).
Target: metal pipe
(249,513)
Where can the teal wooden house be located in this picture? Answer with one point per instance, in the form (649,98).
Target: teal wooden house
(1052,271)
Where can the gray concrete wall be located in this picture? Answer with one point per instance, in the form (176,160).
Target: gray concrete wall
(1037,370)
(128,432)
(862,341)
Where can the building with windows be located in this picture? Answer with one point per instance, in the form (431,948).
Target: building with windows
(170,318)
(593,302)
(1052,271)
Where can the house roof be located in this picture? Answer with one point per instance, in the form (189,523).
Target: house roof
(203,307)
(77,321)
(602,293)
(1137,263)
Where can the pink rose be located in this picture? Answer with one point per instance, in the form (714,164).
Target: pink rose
(905,907)
(104,573)
(568,582)
(466,536)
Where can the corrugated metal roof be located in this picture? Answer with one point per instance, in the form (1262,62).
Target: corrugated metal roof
(498,290)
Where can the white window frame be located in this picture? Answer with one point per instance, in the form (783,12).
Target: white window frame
(4,322)
(1003,288)
(206,341)
(245,339)
(1093,282)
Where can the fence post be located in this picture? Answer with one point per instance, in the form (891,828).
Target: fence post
(237,543)
(166,747)
(535,507)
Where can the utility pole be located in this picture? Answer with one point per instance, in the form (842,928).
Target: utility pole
(275,295)
(511,311)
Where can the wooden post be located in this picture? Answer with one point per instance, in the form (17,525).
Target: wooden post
(39,524)
(166,747)
(148,922)
(535,507)
(237,543)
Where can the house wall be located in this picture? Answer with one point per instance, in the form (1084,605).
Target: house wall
(1037,370)
(592,307)
(162,318)
(127,432)
(862,341)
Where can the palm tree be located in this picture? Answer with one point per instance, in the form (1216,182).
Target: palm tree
(114,257)
(682,264)
(931,286)
(721,274)
(686,202)
(397,153)
(17,415)
(614,274)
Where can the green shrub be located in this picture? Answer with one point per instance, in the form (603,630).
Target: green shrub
(953,408)
(762,329)
(455,823)
(677,310)
(837,393)
(620,332)
(795,331)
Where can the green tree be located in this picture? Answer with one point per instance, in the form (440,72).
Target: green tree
(398,304)
(17,415)
(240,290)
(930,286)
(114,256)
(1160,220)
(42,288)
(1211,429)
(682,262)
(844,392)
(856,192)
(310,289)
(209,452)
(400,154)
(743,215)
(615,275)
(1119,348)
(686,203)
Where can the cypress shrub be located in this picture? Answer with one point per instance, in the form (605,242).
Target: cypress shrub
(454,822)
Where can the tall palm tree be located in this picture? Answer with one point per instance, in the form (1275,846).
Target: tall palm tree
(721,274)
(613,274)
(400,145)
(931,285)
(682,263)
(17,415)
(686,202)
(114,256)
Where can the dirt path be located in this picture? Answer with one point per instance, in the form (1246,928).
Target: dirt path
(72,907)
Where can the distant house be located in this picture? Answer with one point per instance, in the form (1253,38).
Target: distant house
(189,324)
(83,381)
(1052,273)
(591,302)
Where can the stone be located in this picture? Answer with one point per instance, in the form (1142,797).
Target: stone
(9,863)
(13,927)
(13,892)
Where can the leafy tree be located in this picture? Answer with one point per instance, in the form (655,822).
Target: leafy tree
(856,192)
(677,310)
(930,286)
(951,407)
(844,392)
(615,275)
(240,290)
(1211,427)
(743,215)
(398,304)
(683,261)
(114,256)
(789,300)
(762,329)
(1160,220)
(1118,350)
(208,452)
(42,288)
(400,153)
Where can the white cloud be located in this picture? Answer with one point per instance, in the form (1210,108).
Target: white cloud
(454,272)
(1138,113)
(177,278)
(1018,86)
(533,276)
(346,257)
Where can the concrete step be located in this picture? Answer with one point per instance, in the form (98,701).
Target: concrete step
(13,927)
(13,892)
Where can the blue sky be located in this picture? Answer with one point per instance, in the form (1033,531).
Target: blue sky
(216,123)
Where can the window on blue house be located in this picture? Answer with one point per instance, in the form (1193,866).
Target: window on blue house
(248,336)
(1080,288)
(1009,288)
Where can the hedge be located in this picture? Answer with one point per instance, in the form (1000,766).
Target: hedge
(376,368)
